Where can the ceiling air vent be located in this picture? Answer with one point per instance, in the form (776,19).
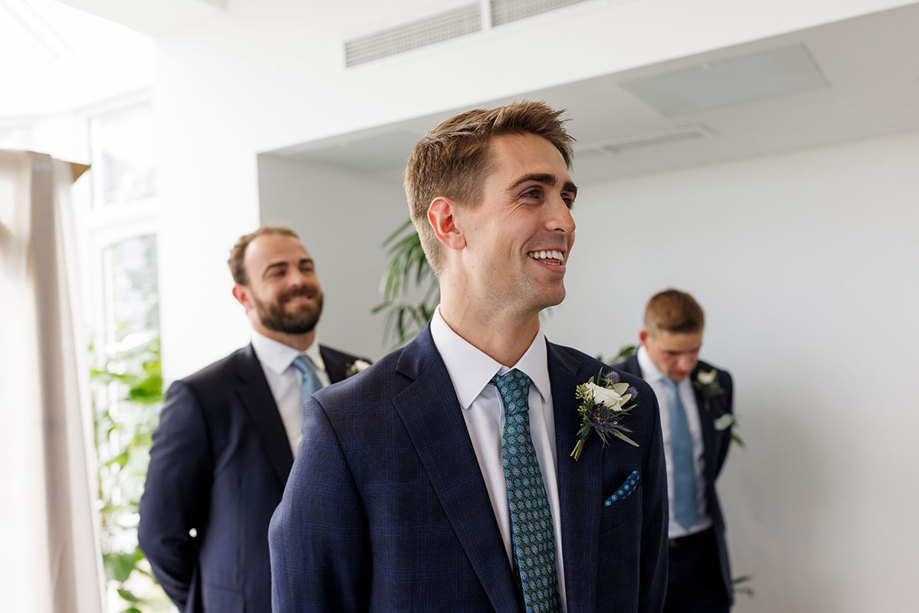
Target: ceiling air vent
(650,139)
(392,41)
(507,11)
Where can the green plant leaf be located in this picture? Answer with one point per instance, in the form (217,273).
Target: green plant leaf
(118,566)
(128,595)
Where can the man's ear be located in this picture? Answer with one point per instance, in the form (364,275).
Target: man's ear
(241,293)
(643,337)
(442,217)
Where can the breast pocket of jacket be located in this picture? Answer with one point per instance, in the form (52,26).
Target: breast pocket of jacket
(623,504)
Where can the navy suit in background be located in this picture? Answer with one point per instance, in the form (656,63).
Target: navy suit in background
(716,443)
(218,465)
(386,508)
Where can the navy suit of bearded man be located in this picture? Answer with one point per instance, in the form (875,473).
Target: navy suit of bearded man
(397,501)
(224,445)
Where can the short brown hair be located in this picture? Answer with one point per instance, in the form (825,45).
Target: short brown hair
(452,159)
(238,252)
(674,311)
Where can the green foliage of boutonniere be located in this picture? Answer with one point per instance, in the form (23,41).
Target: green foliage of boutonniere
(356,367)
(707,384)
(604,403)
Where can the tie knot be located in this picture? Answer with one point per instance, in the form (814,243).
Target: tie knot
(514,388)
(303,363)
(671,384)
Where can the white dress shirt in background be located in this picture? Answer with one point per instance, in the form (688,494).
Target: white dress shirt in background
(284,380)
(655,379)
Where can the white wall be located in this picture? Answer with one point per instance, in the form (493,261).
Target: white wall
(806,267)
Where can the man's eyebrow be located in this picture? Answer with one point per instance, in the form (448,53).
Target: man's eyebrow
(545,179)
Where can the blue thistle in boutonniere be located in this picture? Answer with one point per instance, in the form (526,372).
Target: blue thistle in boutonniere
(604,403)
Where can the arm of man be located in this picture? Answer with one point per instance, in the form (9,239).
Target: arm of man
(320,560)
(654,548)
(177,492)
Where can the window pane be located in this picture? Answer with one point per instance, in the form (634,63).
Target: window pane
(123,156)
(131,290)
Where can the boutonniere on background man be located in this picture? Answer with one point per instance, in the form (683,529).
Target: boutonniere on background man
(356,367)
(604,403)
(707,384)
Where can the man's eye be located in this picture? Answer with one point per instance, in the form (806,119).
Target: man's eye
(532,193)
(569,201)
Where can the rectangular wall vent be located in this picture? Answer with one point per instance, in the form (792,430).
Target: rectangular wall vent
(399,39)
(507,11)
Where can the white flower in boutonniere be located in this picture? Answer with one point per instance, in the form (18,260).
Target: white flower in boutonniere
(356,367)
(604,403)
(707,384)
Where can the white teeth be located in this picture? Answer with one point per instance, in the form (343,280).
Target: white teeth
(546,255)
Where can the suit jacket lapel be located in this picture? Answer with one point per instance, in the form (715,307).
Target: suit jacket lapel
(707,421)
(432,416)
(256,398)
(579,483)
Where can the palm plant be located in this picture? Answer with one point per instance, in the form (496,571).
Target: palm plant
(409,286)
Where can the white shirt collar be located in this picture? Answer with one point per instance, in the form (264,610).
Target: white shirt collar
(278,356)
(649,371)
(470,369)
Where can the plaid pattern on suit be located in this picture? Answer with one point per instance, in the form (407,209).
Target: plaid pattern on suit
(386,508)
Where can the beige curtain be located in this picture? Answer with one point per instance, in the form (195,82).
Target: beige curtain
(49,554)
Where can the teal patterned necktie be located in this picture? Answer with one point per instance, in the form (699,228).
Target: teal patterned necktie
(532,530)
(309,381)
(684,470)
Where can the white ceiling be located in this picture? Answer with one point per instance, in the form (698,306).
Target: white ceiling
(56,58)
(843,81)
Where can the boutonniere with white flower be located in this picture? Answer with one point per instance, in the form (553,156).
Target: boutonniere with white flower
(604,403)
(356,367)
(706,382)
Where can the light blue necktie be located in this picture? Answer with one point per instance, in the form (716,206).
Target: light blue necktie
(683,497)
(532,530)
(309,382)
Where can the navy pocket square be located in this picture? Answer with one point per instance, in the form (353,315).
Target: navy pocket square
(625,490)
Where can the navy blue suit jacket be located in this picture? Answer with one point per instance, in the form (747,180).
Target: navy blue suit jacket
(218,465)
(386,508)
(716,443)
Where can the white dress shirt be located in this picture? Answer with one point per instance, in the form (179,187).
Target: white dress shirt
(284,380)
(655,379)
(471,371)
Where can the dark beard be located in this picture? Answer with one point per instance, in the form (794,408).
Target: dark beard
(274,317)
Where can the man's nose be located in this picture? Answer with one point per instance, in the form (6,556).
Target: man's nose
(562,219)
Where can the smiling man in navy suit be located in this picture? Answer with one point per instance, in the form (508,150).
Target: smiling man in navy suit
(224,446)
(696,413)
(440,479)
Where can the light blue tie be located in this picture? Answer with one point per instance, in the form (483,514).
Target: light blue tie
(532,530)
(683,497)
(309,382)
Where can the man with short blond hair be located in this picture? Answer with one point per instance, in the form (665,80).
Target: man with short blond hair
(442,479)
(228,433)
(696,403)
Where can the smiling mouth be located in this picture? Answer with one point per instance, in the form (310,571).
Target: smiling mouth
(552,257)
